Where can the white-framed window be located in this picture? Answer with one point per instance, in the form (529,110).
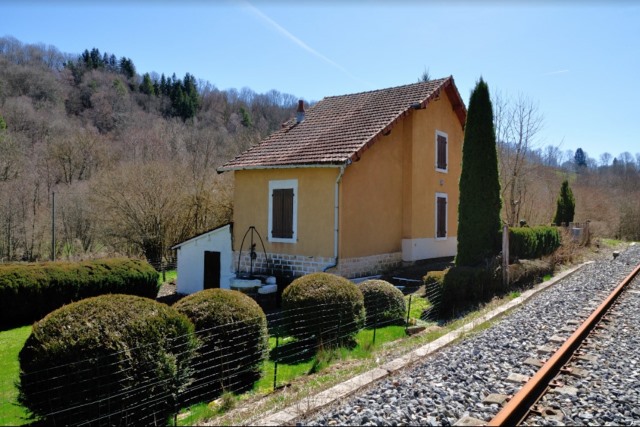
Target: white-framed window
(283,211)
(442,151)
(441,216)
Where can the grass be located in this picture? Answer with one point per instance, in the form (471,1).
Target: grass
(288,372)
(611,242)
(169,276)
(11,342)
(418,304)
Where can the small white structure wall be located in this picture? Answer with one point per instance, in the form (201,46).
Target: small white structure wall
(191,259)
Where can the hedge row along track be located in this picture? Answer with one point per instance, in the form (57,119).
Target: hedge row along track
(523,403)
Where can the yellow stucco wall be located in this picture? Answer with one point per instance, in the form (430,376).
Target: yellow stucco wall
(316,189)
(371,199)
(389,194)
(427,180)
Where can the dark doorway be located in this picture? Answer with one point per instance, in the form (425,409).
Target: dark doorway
(211,269)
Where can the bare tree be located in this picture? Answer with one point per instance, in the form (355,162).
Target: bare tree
(552,156)
(138,205)
(75,156)
(605,159)
(517,123)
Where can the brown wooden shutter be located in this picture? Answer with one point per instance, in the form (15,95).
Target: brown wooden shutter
(282,215)
(442,152)
(441,219)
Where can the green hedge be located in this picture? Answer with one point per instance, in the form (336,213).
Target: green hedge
(107,360)
(29,291)
(532,242)
(459,288)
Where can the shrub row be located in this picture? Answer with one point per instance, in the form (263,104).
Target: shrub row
(458,288)
(120,359)
(123,359)
(533,242)
(30,291)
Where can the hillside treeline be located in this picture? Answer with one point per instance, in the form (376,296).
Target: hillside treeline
(131,158)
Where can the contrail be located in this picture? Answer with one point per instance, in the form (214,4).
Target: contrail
(299,42)
(556,72)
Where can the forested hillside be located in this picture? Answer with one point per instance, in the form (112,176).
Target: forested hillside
(131,158)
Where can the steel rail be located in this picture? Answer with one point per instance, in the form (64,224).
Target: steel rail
(518,407)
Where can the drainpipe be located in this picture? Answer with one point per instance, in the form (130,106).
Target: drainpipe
(336,218)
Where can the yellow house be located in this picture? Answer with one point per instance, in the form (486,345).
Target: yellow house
(356,184)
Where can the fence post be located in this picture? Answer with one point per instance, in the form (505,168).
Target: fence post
(505,257)
(338,340)
(406,325)
(275,364)
(375,326)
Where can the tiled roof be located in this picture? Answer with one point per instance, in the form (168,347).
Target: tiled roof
(339,128)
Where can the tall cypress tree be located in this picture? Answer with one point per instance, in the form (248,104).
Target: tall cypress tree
(479,209)
(566,205)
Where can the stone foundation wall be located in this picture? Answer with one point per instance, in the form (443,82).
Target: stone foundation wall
(367,266)
(290,265)
(299,265)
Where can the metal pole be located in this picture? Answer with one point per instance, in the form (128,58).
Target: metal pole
(275,364)
(375,326)
(406,326)
(53,226)
(505,256)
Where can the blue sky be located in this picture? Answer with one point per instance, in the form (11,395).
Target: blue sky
(579,60)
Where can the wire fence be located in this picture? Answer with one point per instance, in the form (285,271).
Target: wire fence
(129,387)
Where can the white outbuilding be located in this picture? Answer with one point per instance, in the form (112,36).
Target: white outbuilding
(205,261)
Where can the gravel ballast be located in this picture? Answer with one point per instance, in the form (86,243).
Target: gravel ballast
(465,379)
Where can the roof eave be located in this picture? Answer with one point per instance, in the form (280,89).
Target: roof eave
(336,164)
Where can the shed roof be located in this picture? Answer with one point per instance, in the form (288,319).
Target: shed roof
(192,239)
(338,129)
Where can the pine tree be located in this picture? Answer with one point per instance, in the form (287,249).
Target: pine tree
(566,205)
(127,68)
(245,118)
(479,209)
(146,86)
(580,158)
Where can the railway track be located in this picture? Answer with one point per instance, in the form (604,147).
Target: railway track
(468,383)
(541,401)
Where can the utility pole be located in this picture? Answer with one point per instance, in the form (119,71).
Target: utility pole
(53,226)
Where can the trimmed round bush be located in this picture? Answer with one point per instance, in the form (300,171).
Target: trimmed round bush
(111,359)
(433,286)
(233,331)
(324,307)
(383,303)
